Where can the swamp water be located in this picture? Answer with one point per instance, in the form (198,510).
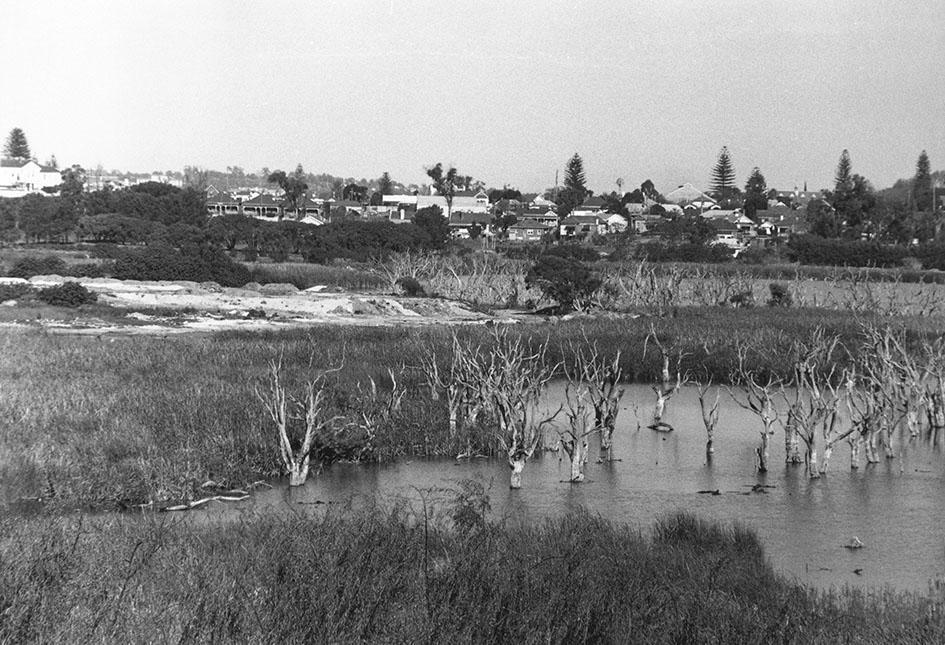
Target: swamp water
(896,507)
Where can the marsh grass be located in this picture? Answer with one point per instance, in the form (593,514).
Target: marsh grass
(401,575)
(117,421)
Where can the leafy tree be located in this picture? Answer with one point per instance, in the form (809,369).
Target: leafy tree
(385,185)
(922,183)
(445,184)
(16,146)
(648,189)
(822,219)
(293,187)
(756,193)
(562,279)
(431,221)
(723,174)
(693,229)
(354,192)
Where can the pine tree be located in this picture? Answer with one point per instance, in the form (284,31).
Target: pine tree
(723,174)
(922,183)
(16,146)
(574,174)
(575,187)
(843,180)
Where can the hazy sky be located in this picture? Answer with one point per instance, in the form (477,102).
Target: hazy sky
(506,91)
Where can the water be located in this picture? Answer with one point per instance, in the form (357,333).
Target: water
(895,507)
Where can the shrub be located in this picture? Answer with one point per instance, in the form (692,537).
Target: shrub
(780,295)
(563,280)
(67,294)
(197,264)
(13,291)
(30,266)
(411,287)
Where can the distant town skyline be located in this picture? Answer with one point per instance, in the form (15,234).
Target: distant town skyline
(504,92)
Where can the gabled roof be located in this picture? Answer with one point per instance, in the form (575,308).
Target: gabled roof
(462,218)
(262,200)
(687,193)
(593,202)
(571,220)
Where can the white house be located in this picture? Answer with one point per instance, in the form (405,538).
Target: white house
(27,176)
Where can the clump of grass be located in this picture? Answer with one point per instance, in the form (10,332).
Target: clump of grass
(400,575)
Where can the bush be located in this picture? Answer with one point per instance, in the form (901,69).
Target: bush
(197,264)
(28,267)
(564,280)
(13,291)
(780,295)
(67,294)
(411,287)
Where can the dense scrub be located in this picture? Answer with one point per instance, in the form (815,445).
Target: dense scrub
(396,576)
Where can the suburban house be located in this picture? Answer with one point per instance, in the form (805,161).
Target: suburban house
(262,206)
(530,230)
(221,203)
(461,222)
(797,198)
(465,201)
(617,223)
(581,225)
(591,206)
(27,176)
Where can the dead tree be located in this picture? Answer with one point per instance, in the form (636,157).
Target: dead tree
(756,393)
(512,381)
(573,440)
(666,388)
(599,378)
(283,409)
(710,412)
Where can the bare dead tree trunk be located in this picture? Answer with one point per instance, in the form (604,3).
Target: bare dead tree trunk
(666,388)
(574,440)
(276,401)
(598,380)
(710,412)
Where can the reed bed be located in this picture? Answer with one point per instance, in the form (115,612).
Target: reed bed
(402,575)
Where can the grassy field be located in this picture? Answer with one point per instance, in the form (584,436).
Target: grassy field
(116,421)
(382,575)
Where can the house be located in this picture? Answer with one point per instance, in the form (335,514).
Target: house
(27,176)
(687,194)
(309,208)
(617,223)
(785,223)
(530,230)
(797,198)
(465,201)
(262,206)
(223,204)
(591,206)
(582,225)
(461,222)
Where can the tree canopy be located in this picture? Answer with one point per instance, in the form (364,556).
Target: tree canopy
(445,183)
(756,193)
(293,186)
(16,146)
(922,183)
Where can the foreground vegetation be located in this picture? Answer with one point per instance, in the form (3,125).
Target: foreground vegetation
(445,575)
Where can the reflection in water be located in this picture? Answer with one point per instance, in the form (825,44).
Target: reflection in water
(894,507)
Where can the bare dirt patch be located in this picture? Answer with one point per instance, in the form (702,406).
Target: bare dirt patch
(177,307)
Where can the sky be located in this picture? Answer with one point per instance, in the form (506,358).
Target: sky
(504,91)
